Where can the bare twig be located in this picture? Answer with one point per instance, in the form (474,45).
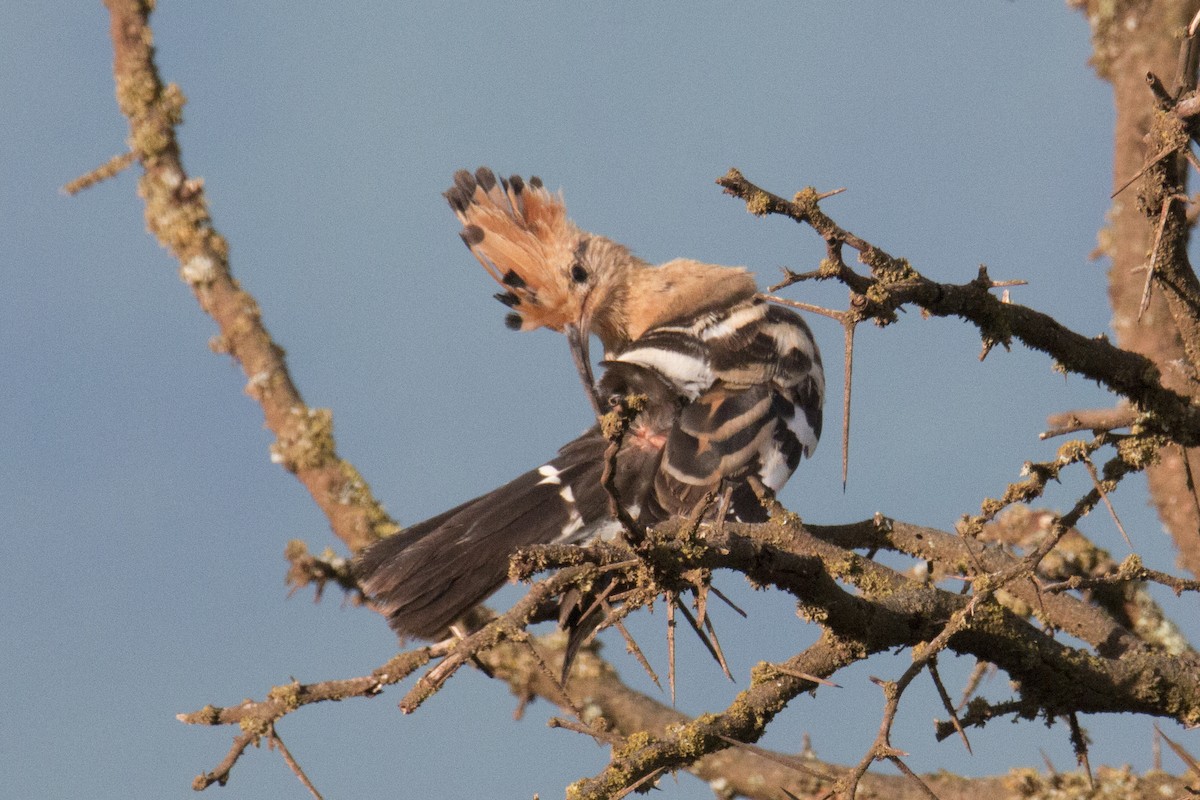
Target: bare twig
(275,742)
(111,168)
(1102,419)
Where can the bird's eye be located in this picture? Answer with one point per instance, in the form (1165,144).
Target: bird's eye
(578,273)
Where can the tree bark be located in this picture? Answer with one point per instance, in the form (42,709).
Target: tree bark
(1131,39)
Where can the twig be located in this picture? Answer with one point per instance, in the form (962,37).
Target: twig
(111,168)
(824,312)
(606,737)
(980,713)
(274,741)
(319,570)
(220,773)
(1101,419)
(893,282)
(1131,569)
(284,699)
(502,628)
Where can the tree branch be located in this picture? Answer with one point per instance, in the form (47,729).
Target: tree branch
(177,215)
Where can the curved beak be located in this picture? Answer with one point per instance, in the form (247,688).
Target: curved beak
(578,336)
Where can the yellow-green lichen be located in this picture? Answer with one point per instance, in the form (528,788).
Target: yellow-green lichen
(356,492)
(309,442)
(255,725)
(1140,452)
(758,204)
(288,695)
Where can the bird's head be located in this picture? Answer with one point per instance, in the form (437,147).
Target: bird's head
(553,274)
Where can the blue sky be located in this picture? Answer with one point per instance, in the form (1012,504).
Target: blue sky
(145,522)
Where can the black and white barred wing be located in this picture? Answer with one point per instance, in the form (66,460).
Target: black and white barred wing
(753,376)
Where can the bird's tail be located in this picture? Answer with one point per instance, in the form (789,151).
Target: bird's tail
(429,574)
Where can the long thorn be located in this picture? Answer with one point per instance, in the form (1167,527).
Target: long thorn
(1091,468)
(631,788)
(727,601)
(1162,224)
(1079,743)
(949,706)
(713,645)
(1163,154)
(790,763)
(804,676)
(849,330)
(1184,755)
(1191,483)
(631,646)
(671,643)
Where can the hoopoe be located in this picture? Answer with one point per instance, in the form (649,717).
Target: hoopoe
(734,389)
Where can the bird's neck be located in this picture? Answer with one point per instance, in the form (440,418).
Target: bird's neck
(680,291)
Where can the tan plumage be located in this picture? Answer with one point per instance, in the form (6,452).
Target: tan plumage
(521,235)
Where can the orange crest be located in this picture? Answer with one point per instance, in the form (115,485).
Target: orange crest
(521,235)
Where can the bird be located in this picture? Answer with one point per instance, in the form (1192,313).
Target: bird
(732,391)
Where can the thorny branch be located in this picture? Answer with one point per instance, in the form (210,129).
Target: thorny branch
(886,610)
(893,282)
(862,606)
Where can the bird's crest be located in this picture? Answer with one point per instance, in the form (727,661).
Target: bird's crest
(521,235)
